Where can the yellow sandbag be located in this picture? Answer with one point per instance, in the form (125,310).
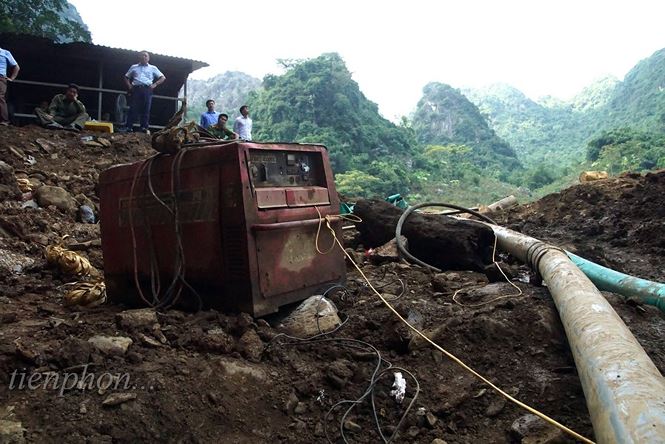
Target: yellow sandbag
(588,176)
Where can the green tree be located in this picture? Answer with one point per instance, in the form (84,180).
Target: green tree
(44,18)
(356,183)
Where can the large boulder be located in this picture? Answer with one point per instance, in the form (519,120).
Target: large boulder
(49,195)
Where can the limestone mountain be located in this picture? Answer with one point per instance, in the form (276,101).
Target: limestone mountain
(445,116)
(316,100)
(229,90)
(547,131)
(639,100)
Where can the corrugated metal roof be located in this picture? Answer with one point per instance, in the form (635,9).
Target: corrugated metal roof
(18,39)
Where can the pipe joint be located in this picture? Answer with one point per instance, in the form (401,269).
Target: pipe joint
(535,253)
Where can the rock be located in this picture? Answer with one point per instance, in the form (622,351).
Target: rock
(106,143)
(533,430)
(111,345)
(431,419)
(339,373)
(8,187)
(49,195)
(301,408)
(388,252)
(244,322)
(86,214)
(494,274)
(217,340)
(318,430)
(438,441)
(29,204)
(137,319)
(413,431)
(495,407)
(352,426)
(446,282)
(73,351)
(82,199)
(11,262)
(291,404)
(150,341)
(242,369)
(118,398)
(302,322)
(11,432)
(251,346)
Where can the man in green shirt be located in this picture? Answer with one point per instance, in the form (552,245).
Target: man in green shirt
(220,130)
(65,111)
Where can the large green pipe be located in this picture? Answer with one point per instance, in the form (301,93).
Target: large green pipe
(624,391)
(648,292)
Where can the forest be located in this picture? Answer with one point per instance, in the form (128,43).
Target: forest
(467,145)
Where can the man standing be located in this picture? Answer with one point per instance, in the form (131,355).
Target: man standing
(209,117)
(65,111)
(141,79)
(243,124)
(220,130)
(7,66)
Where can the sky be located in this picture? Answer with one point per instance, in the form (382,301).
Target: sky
(393,49)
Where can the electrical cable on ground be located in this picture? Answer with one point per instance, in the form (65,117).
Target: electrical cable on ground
(455,359)
(402,249)
(322,337)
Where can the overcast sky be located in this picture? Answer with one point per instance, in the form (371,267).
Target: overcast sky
(394,48)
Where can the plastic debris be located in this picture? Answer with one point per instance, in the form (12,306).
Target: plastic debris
(24,185)
(87,215)
(29,204)
(69,261)
(399,388)
(89,294)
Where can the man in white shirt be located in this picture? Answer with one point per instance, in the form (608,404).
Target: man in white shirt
(243,124)
(141,79)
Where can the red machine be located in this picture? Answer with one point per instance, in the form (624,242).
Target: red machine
(234,224)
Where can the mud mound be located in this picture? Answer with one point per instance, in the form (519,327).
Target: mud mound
(135,376)
(617,222)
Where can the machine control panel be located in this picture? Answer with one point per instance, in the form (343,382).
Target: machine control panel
(285,169)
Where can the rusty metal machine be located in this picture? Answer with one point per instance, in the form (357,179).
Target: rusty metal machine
(232,226)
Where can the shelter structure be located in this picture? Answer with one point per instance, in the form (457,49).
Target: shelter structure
(48,67)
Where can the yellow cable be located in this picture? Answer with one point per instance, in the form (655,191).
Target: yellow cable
(447,353)
(519,290)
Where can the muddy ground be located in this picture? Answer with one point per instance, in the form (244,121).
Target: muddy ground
(215,377)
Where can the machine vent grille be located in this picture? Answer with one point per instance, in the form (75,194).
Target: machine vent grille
(235,252)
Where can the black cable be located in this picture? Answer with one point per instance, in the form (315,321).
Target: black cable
(407,213)
(376,374)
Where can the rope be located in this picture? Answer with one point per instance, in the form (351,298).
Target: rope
(450,355)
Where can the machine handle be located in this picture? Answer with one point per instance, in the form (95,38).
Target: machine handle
(292,224)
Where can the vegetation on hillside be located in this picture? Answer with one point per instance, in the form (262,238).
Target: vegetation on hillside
(57,20)
(496,142)
(626,149)
(317,100)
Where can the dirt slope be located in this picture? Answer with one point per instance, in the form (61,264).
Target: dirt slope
(214,377)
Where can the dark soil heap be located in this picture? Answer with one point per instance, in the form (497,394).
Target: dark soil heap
(215,377)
